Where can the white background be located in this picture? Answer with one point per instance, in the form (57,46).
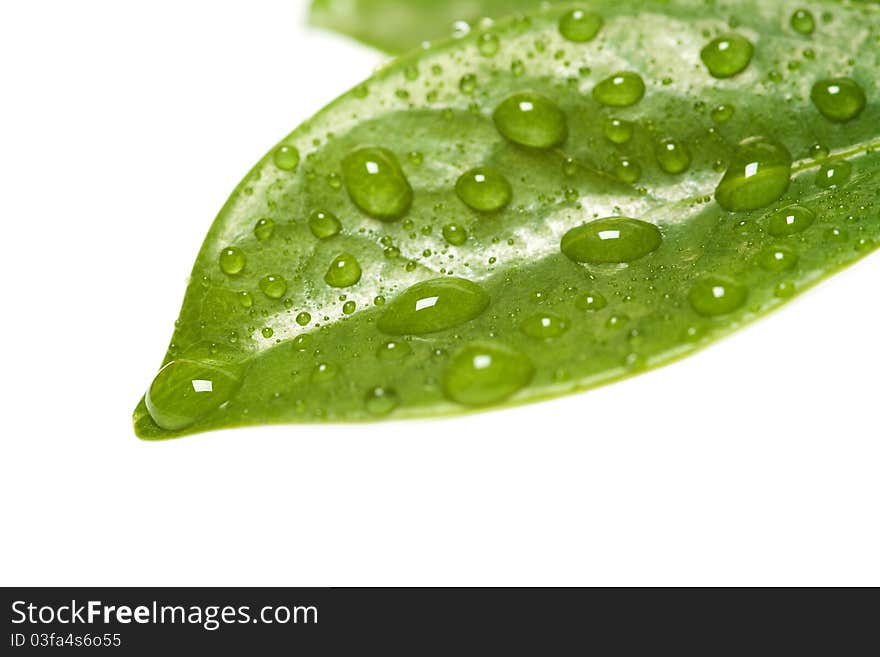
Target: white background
(123,127)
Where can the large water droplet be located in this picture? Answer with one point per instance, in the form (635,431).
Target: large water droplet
(344,271)
(432,306)
(758,175)
(611,240)
(673,156)
(483,189)
(839,99)
(717,295)
(530,119)
(727,55)
(376,183)
(485,373)
(790,220)
(544,326)
(324,225)
(579,25)
(232,261)
(185,391)
(620,90)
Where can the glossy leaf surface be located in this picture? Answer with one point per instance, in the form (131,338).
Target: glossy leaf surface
(353,276)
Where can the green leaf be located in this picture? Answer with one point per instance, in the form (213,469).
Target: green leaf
(397,26)
(429,243)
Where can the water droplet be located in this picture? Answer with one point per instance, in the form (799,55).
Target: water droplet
(727,55)
(264,229)
(611,240)
(618,131)
(483,189)
(591,301)
(324,372)
(303,318)
(777,258)
(454,234)
(185,391)
(267,332)
(348,307)
(394,350)
(376,183)
(232,261)
(286,158)
(716,295)
(839,99)
(833,175)
(324,225)
(381,401)
(544,326)
(530,119)
(487,44)
(627,171)
(245,299)
(485,373)
(673,156)
(790,220)
(273,286)
(620,90)
(344,271)
(468,84)
(579,25)
(758,175)
(433,305)
(802,21)
(517,67)
(722,113)
(785,290)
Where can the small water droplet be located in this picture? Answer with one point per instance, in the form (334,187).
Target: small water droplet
(348,307)
(620,90)
(544,326)
(487,44)
(530,119)
(727,55)
(376,183)
(611,240)
(484,373)
(722,113)
(433,305)
(468,84)
(303,318)
(618,131)
(267,332)
(483,189)
(394,350)
(777,258)
(717,295)
(324,372)
(591,301)
(802,21)
(324,225)
(454,234)
(627,171)
(380,401)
